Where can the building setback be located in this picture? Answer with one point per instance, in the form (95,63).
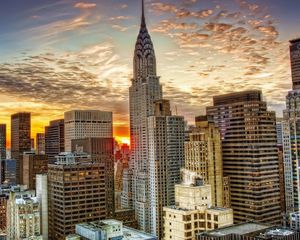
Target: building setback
(54,139)
(76,193)
(20,140)
(250,157)
(166,158)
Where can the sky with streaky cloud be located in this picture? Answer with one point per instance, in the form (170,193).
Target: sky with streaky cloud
(58,55)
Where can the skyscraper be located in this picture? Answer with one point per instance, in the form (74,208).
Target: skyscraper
(54,139)
(145,89)
(87,123)
(2,152)
(20,139)
(203,155)
(40,143)
(295,62)
(77,193)
(42,197)
(291,141)
(166,158)
(250,157)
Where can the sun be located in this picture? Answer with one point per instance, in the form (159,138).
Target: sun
(123,140)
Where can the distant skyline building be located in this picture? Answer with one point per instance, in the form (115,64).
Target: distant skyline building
(87,123)
(203,155)
(144,90)
(54,139)
(20,139)
(250,156)
(33,164)
(76,193)
(2,152)
(295,62)
(10,171)
(166,157)
(40,143)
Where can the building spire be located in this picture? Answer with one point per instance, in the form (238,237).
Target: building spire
(143,23)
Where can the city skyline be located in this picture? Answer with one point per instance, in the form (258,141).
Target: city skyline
(67,42)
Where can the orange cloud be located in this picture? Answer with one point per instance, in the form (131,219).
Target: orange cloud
(85,5)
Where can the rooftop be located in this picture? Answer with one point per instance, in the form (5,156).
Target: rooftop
(251,229)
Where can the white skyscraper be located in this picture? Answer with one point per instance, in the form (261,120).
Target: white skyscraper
(145,89)
(166,158)
(42,197)
(87,123)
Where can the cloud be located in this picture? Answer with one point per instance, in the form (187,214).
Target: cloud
(85,5)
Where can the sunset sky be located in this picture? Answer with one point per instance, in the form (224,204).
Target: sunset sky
(58,55)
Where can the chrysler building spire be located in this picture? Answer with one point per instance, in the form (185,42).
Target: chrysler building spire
(144,62)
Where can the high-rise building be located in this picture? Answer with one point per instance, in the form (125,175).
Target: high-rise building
(295,62)
(2,152)
(76,193)
(101,150)
(40,143)
(10,171)
(3,209)
(20,139)
(42,197)
(291,141)
(166,158)
(203,155)
(250,157)
(54,139)
(194,211)
(87,123)
(126,195)
(145,89)
(33,164)
(23,215)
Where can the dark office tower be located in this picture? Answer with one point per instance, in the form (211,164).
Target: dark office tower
(250,157)
(20,139)
(76,193)
(2,152)
(54,139)
(101,150)
(10,171)
(33,164)
(295,62)
(40,143)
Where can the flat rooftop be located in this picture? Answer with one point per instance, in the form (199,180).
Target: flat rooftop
(133,234)
(240,229)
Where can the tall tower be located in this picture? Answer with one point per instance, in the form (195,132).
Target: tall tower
(145,89)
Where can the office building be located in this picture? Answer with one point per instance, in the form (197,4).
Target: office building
(2,152)
(193,212)
(250,231)
(101,150)
(76,193)
(203,155)
(250,157)
(110,229)
(126,195)
(3,209)
(33,164)
(23,215)
(40,143)
(127,217)
(54,139)
(10,172)
(20,140)
(87,123)
(42,197)
(144,90)
(295,62)
(291,134)
(166,158)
